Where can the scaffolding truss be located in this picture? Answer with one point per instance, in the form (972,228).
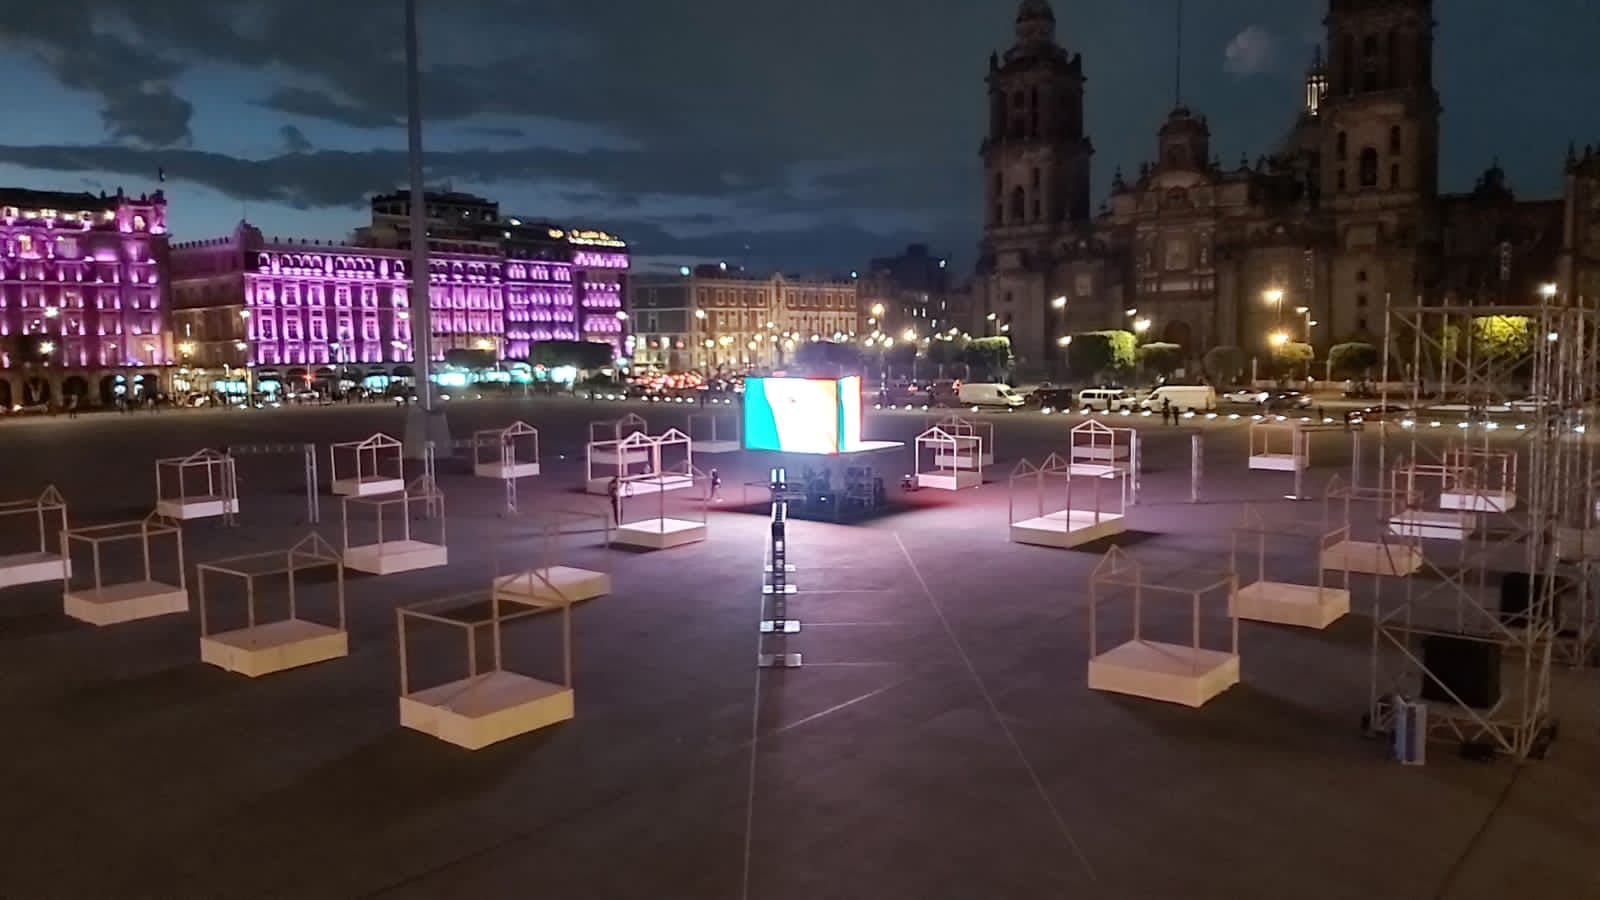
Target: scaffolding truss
(1507,597)
(201,485)
(267,641)
(46,558)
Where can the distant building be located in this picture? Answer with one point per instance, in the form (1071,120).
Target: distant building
(83,296)
(1308,240)
(713,319)
(914,291)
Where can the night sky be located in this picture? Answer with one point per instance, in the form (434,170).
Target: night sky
(806,136)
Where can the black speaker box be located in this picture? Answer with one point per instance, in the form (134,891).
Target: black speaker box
(1517,590)
(1467,668)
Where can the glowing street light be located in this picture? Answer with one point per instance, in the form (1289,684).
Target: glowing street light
(1302,310)
(1064,340)
(47,347)
(1140,326)
(1059,303)
(186,348)
(877,310)
(1273,295)
(622,315)
(992,317)
(700,314)
(1279,338)
(50,312)
(910,334)
(1130,313)
(1547,290)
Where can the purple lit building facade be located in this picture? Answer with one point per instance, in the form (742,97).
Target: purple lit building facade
(83,296)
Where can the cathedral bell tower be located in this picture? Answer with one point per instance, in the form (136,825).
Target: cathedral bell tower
(1036,171)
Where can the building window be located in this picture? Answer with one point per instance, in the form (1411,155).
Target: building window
(1361,324)
(1361,299)
(1177,255)
(1341,180)
(1019,205)
(1361,276)
(1342,147)
(1394,138)
(1394,176)
(1369,167)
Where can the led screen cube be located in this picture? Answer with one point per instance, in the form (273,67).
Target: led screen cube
(803,415)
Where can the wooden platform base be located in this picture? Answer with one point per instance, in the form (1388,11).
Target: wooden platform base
(1478,501)
(476,712)
(197,507)
(125,602)
(1165,672)
(31,568)
(370,486)
(505,472)
(715,446)
(552,587)
(1435,526)
(391,557)
(950,480)
(274,647)
(1277,462)
(1301,605)
(962,460)
(659,534)
(641,487)
(1100,454)
(1372,558)
(1067,529)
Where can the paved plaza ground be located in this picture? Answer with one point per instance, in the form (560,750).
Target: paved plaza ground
(939,742)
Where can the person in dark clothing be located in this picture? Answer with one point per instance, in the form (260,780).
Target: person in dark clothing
(615,490)
(716,486)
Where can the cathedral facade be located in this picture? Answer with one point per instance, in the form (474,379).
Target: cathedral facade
(1308,241)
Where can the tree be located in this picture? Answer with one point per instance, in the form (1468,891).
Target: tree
(470,359)
(1291,355)
(1502,338)
(1100,353)
(1223,364)
(990,354)
(1353,359)
(578,354)
(1161,358)
(947,352)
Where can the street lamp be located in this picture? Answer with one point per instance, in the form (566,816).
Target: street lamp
(1279,338)
(50,312)
(1547,290)
(1064,340)
(47,347)
(910,334)
(1059,303)
(877,310)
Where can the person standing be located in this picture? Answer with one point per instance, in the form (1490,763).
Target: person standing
(716,486)
(614,489)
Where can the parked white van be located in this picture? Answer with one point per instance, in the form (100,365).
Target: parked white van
(1107,399)
(989,395)
(1182,397)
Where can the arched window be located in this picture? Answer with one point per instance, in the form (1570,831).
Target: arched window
(1342,147)
(1394,175)
(1394,138)
(1347,64)
(1019,205)
(1369,167)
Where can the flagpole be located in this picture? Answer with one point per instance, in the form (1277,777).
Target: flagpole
(425,426)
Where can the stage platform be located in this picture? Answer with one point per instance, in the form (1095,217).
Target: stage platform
(476,712)
(368,486)
(1067,528)
(1277,462)
(1372,558)
(1478,501)
(391,557)
(559,584)
(659,534)
(197,507)
(1166,672)
(950,480)
(125,602)
(31,568)
(640,487)
(1431,525)
(1281,603)
(274,647)
(504,472)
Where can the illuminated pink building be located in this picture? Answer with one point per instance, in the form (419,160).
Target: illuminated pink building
(309,310)
(83,296)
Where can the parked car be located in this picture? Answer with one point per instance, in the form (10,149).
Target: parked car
(1378,412)
(1182,397)
(1248,396)
(1050,398)
(1288,400)
(991,394)
(1106,399)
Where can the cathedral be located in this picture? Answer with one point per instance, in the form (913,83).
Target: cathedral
(1308,241)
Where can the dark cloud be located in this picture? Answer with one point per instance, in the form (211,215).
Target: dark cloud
(294,140)
(320,105)
(497,131)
